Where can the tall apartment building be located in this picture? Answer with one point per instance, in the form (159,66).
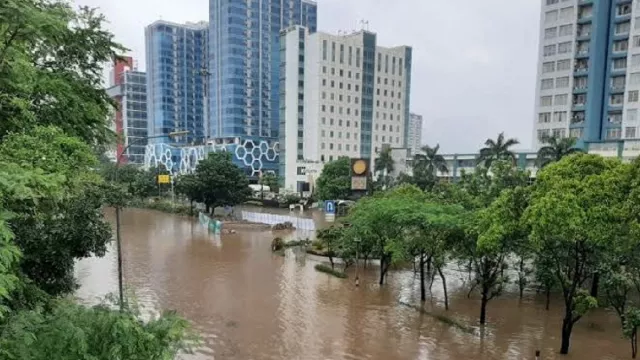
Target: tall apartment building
(244,61)
(414,133)
(341,95)
(589,70)
(176,57)
(128,87)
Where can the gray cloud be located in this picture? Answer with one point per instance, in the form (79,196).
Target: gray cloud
(474,64)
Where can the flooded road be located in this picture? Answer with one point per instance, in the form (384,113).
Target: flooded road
(247,303)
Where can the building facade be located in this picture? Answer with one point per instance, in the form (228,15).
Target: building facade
(128,87)
(243,65)
(341,95)
(414,133)
(176,57)
(589,70)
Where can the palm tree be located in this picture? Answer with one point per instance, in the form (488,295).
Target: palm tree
(556,148)
(430,160)
(497,150)
(384,166)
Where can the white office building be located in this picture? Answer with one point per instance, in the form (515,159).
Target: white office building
(414,133)
(341,95)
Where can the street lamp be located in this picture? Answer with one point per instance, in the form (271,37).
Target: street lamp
(118,238)
(357,241)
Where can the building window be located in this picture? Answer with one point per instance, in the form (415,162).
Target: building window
(566,13)
(347,147)
(618,82)
(550,33)
(322,147)
(636,41)
(575,133)
(580,82)
(623,28)
(615,118)
(549,50)
(548,67)
(341,53)
(331,122)
(543,133)
(357,59)
(560,117)
(324,121)
(620,46)
(633,96)
(546,84)
(324,82)
(339,147)
(323,133)
(565,30)
(544,117)
(634,78)
(564,47)
(558,133)
(630,132)
(324,50)
(330,146)
(635,61)
(562,82)
(623,10)
(546,100)
(617,99)
(551,16)
(632,115)
(333,51)
(561,99)
(324,108)
(564,65)
(620,64)
(613,134)
(552,2)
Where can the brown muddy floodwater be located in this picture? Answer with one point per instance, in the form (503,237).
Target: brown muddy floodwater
(248,303)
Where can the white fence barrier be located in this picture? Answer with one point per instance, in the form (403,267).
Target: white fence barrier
(272,219)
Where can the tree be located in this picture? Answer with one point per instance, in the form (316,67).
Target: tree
(555,149)
(51,68)
(71,331)
(221,181)
(190,186)
(270,180)
(575,215)
(55,231)
(494,234)
(334,182)
(331,237)
(430,161)
(430,229)
(497,150)
(384,166)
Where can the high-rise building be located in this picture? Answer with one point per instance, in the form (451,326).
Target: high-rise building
(341,95)
(177,79)
(127,86)
(244,63)
(414,133)
(588,70)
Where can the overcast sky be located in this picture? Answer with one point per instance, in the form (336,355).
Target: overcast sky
(474,62)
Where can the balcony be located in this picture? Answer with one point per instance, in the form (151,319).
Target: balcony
(580,90)
(618,71)
(581,70)
(582,53)
(585,17)
(617,89)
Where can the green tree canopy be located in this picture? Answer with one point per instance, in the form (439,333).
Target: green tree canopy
(221,182)
(51,62)
(555,148)
(335,180)
(498,149)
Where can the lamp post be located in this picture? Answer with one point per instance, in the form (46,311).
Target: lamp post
(118,237)
(357,241)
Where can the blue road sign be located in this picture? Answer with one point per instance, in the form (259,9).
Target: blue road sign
(330,207)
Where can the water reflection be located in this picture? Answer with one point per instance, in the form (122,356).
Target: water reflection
(248,303)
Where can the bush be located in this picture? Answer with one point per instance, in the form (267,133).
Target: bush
(277,244)
(328,270)
(287,225)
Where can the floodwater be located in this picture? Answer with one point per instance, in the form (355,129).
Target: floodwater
(247,303)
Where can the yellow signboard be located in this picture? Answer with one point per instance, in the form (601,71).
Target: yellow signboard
(164,179)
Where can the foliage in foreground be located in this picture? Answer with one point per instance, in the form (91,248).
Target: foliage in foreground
(71,331)
(328,270)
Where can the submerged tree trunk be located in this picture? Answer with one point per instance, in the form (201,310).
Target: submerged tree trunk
(567,327)
(595,283)
(483,306)
(190,207)
(634,342)
(548,294)
(429,265)
(382,271)
(521,277)
(423,293)
(444,287)
(207,208)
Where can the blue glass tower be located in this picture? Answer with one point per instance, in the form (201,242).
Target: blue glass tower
(244,64)
(176,79)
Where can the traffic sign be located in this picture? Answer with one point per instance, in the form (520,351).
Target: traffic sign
(330,207)
(164,179)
